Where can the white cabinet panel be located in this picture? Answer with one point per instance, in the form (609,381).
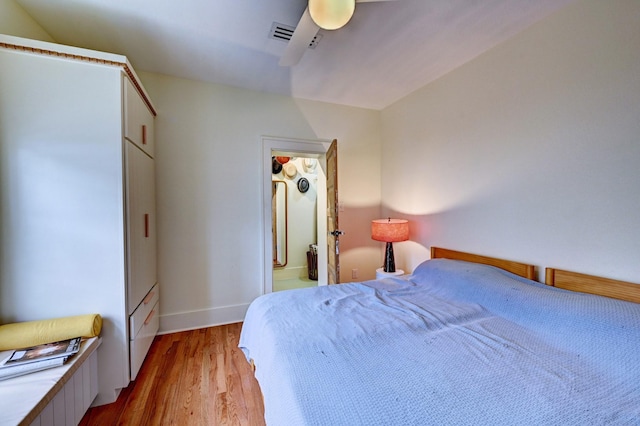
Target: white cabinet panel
(59,410)
(142,341)
(141,224)
(141,314)
(138,124)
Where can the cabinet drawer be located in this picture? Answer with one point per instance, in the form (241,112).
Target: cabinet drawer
(142,312)
(142,342)
(138,120)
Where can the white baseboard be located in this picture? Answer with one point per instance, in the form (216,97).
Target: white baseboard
(183,321)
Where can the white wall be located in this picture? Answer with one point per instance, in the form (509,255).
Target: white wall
(529,152)
(16,22)
(209,182)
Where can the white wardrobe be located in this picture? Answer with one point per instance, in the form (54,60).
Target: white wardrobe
(77,198)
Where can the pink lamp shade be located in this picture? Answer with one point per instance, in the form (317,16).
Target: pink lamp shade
(390,230)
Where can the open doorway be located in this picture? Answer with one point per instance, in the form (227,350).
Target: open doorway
(289,232)
(294,220)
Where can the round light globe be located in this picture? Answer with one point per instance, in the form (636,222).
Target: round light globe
(331,14)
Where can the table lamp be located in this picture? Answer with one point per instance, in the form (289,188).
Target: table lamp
(390,231)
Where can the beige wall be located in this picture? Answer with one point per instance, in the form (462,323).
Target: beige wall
(529,152)
(209,180)
(16,22)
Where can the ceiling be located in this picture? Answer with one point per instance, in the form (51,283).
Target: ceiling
(385,52)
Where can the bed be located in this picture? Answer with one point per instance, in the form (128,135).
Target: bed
(464,340)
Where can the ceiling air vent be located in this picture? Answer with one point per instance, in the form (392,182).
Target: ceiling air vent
(284,32)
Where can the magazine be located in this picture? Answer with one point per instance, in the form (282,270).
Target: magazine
(30,367)
(62,349)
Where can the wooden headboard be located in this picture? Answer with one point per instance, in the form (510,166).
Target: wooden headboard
(523,269)
(584,283)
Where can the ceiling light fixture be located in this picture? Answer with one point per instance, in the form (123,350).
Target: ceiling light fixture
(331,14)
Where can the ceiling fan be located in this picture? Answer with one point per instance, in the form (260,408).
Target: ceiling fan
(319,14)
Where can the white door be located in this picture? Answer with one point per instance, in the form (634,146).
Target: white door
(141,224)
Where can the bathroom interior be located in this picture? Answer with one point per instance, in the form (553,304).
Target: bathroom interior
(294,222)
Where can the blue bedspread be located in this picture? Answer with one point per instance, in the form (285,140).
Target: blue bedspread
(455,343)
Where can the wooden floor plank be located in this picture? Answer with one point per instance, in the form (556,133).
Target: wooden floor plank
(189,378)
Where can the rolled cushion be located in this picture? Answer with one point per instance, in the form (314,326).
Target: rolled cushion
(26,334)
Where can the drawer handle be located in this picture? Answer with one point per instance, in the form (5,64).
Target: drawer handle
(149,297)
(146,225)
(144,134)
(148,320)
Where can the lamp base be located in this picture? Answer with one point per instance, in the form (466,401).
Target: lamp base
(389,261)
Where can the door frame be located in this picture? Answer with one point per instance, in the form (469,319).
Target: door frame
(272,145)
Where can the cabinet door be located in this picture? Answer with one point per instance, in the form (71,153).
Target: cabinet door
(138,120)
(141,224)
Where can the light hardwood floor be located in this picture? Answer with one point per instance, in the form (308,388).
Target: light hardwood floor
(197,377)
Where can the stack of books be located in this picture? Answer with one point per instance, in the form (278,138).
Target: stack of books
(37,358)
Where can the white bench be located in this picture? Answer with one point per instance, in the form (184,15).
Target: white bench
(58,396)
